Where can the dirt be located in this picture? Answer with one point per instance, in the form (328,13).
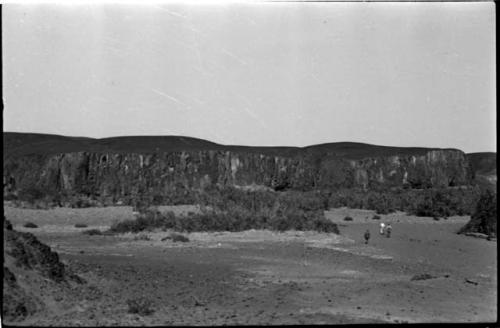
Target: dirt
(261,277)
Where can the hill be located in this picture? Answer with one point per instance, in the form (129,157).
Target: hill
(20,144)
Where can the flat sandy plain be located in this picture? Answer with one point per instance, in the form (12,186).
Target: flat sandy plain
(262,277)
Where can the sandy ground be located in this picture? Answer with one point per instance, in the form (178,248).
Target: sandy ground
(261,277)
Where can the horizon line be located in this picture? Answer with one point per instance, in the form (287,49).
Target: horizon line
(241,145)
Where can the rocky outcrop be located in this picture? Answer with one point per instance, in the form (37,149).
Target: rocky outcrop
(484,168)
(27,263)
(123,168)
(124,175)
(30,254)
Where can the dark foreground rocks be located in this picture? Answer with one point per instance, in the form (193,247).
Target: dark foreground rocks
(26,262)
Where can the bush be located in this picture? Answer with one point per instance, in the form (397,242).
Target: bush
(323,225)
(178,237)
(429,202)
(31,193)
(92,232)
(141,306)
(484,218)
(347,218)
(142,237)
(81,225)
(231,209)
(435,218)
(236,210)
(80,202)
(376,217)
(146,221)
(30,225)
(423,276)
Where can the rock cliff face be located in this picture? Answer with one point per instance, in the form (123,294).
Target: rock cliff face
(122,175)
(484,166)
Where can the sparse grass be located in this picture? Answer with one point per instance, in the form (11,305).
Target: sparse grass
(92,232)
(141,306)
(81,225)
(30,225)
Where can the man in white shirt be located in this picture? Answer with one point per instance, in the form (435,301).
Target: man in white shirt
(382,226)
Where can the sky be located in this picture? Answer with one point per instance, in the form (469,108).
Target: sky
(262,74)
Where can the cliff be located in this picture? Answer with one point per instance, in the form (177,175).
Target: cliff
(484,167)
(123,168)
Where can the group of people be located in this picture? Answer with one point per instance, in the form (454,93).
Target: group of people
(385,229)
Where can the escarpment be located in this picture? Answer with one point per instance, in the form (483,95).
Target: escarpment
(112,172)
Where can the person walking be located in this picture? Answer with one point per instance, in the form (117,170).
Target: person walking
(367,236)
(382,227)
(388,229)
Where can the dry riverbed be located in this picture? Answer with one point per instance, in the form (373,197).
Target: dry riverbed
(261,277)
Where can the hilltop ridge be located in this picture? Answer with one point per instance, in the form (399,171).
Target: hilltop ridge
(19,144)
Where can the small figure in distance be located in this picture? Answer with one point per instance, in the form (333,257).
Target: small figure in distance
(367,236)
(388,229)
(382,227)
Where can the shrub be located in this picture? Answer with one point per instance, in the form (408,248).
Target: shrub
(30,225)
(376,217)
(31,193)
(141,306)
(142,237)
(384,210)
(435,218)
(6,224)
(92,232)
(277,215)
(423,276)
(429,202)
(81,225)
(80,202)
(146,221)
(347,218)
(231,209)
(323,225)
(178,237)
(484,218)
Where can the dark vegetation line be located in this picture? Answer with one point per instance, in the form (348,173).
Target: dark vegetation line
(235,210)
(420,202)
(230,209)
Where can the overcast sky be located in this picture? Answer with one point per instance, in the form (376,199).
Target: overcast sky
(398,74)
